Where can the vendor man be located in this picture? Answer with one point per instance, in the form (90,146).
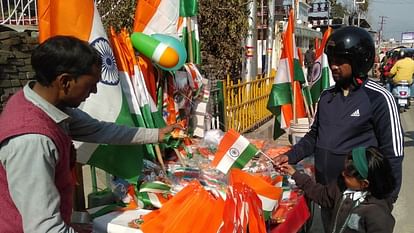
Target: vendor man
(37,128)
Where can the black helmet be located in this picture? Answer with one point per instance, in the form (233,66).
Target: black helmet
(355,44)
(402,54)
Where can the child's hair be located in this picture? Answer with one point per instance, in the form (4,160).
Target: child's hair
(380,177)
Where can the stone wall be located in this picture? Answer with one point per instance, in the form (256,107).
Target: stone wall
(15,68)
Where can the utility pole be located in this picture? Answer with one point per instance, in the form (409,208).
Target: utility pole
(251,43)
(381,30)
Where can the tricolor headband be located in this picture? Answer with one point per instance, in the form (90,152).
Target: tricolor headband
(359,160)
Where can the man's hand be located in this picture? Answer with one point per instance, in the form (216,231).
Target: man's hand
(168,129)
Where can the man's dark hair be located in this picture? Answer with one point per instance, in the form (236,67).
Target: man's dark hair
(63,54)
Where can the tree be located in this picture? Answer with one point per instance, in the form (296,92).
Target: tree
(117,15)
(341,8)
(223,28)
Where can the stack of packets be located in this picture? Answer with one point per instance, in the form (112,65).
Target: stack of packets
(229,182)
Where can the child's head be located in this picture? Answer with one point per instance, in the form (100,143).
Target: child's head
(367,169)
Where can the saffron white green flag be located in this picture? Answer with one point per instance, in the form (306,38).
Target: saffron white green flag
(190,36)
(109,103)
(153,194)
(125,57)
(281,96)
(195,38)
(268,194)
(234,150)
(321,74)
(157,16)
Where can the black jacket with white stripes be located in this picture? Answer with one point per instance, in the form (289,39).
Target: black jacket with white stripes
(368,116)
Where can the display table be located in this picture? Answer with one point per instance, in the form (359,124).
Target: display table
(295,219)
(117,222)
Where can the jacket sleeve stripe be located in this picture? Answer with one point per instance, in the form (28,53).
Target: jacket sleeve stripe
(397,135)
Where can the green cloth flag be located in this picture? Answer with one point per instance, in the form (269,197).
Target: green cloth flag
(188,8)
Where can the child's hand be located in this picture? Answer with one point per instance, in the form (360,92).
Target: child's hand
(287,169)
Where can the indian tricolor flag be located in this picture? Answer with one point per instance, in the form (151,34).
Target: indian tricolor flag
(151,17)
(157,16)
(321,74)
(267,193)
(154,194)
(127,66)
(185,35)
(81,19)
(288,76)
(234,150)
(188,29)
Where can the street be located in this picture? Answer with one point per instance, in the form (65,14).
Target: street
(404,206)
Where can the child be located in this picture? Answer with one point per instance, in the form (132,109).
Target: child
(359,198)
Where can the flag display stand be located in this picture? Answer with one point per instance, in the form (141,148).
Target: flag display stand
(298,129)
(230,183)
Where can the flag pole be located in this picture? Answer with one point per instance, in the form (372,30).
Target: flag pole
(308,105)
(293,60)
(179,156)
(190,38)
(295,120)
(159,157)
(267,157)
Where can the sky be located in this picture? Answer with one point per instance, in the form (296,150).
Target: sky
(399,17)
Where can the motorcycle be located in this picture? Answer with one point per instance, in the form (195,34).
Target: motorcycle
(401,93)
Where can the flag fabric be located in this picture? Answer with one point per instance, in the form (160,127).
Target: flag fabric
(289,74)
(321,74)
(268,194)
(153,194)
(183,33)
(234,150)
(170,111)
(157,16)
(188,8)
(109,103)
(200,88)
(154,16)
(147,70)
(297,61)
(127,64)
(190,37)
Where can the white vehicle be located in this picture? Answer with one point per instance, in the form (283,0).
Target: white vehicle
(401,92)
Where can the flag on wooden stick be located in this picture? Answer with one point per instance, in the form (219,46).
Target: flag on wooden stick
(234,150)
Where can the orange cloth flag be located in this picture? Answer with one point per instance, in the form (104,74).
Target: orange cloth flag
(268,194)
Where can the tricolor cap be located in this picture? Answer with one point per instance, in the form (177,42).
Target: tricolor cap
(157,51)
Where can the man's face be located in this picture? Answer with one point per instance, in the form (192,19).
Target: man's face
(341,70)
(79,89)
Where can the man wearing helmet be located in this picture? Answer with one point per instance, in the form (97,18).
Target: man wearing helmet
(355,112)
